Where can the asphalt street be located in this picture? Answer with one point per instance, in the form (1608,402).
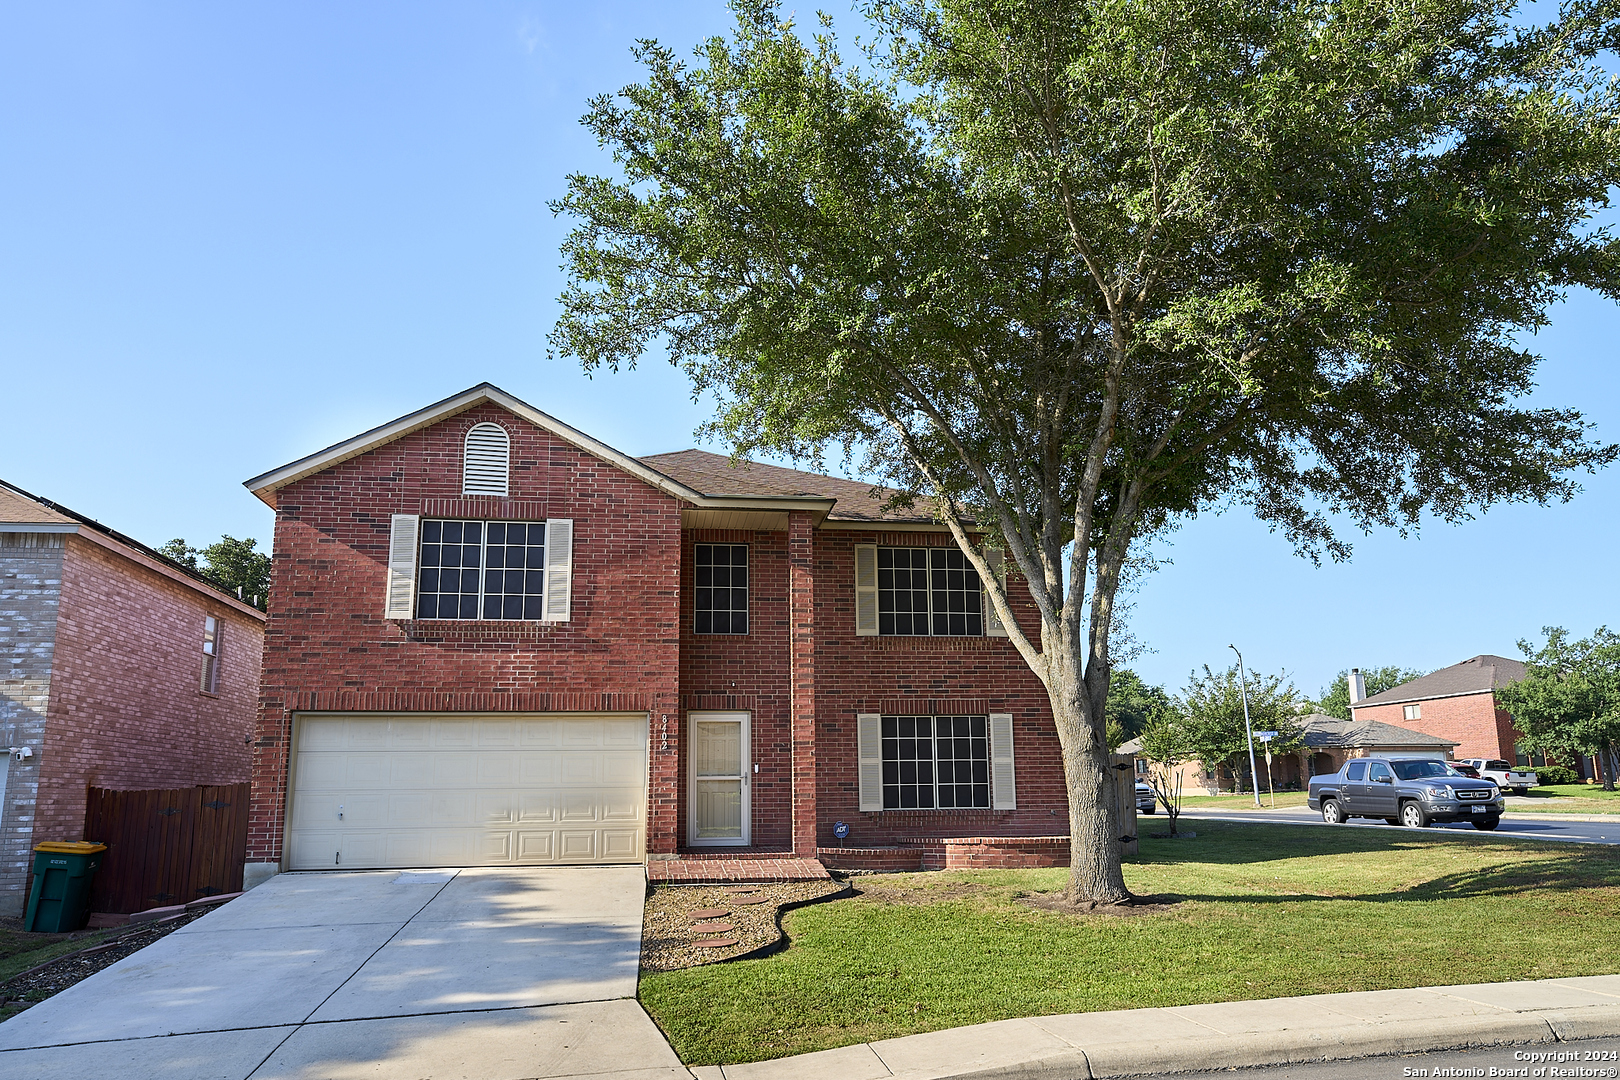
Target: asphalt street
(1581,1058)
(1523,827)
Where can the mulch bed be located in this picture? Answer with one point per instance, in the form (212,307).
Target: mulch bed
(32,987)
(670,933)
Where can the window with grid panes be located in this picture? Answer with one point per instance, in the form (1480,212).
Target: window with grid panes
(928,591)
(936,762)
(720,603)
(481,570)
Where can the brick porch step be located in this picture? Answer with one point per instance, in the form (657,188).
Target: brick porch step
(714,868)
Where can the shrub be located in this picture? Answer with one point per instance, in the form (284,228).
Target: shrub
(1556,774)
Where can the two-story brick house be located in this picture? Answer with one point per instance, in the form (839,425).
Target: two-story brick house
(1456,703)
(122,670)
(495,640)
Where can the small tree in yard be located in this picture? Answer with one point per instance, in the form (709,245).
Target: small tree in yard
(1213,730)
(1568,703)
(1079,271)
(1164,745)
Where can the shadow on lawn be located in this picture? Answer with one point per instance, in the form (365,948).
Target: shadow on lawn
(1564,869)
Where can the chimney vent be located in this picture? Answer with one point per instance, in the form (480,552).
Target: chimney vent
(1358,686)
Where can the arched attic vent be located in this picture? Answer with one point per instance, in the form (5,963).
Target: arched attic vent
(487,461)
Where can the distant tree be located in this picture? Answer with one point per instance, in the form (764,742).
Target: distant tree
(237,566)
(1211,716)
(181,552)
(1335,699)
(1130,702)
(1568,703)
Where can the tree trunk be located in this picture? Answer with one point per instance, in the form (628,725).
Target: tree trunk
(1608,767)
(1095,875)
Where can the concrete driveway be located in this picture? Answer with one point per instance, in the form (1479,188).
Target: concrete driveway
(495,974)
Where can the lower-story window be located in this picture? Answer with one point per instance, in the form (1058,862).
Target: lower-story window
(934,762)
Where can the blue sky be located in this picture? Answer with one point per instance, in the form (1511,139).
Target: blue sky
(234,234)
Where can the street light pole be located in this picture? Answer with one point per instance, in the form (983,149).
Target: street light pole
(1243,681)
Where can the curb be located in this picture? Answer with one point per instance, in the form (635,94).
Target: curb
(1183,1039)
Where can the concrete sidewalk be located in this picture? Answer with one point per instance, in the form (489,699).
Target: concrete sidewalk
(1202,1038)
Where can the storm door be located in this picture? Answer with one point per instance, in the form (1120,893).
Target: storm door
(717,795)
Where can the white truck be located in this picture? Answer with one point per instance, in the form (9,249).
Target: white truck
(1503,774)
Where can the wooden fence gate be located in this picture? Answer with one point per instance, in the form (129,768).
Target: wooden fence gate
(166,847)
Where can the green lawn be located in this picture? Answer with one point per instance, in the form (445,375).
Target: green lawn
(1243,802)
(1569,799)
(1266,911)
(20,951)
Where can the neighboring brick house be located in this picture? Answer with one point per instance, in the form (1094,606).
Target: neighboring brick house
(495,640)
(1456,703)
(1329,743)
(106,679)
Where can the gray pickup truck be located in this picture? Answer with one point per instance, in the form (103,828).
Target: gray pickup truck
(1405,791)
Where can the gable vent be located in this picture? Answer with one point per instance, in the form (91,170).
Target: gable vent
(484,469)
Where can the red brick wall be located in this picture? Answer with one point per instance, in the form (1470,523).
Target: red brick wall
(126,706)
(328,647)
(935,676)
(1472,720)
(746,673)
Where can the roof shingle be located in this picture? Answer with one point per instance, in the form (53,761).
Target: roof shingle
(1473,676)
(717,475)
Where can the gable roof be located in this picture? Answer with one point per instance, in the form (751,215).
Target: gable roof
(719,475)
(21,511)
(748,494)
(1476,675)
(1329,732)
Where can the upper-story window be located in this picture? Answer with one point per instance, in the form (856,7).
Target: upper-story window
(1412,712)
(914,591)
(720,600)
(446,568)
(482,570)
(211,652)
(486,461)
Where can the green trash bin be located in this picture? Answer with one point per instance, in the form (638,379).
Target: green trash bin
(59,902)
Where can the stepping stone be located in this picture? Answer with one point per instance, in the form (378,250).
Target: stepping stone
(715,943)
(713,928)
(743,890)
(710,912)
(752,900)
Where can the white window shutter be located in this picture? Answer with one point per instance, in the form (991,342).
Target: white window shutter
(866,592)
(1003,785)
(992,621)
(869,733)
(402,533)
(559,568)
(486,460)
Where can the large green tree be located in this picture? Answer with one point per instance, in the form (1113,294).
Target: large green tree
(1568,703)
(1081,270)
(1335,699)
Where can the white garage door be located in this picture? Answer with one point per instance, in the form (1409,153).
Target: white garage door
(452,790)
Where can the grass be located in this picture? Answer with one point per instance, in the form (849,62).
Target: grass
(1266,911)
(20,951)
(1243,802)
(1569,799)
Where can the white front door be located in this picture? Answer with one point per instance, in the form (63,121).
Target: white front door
(718,803)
